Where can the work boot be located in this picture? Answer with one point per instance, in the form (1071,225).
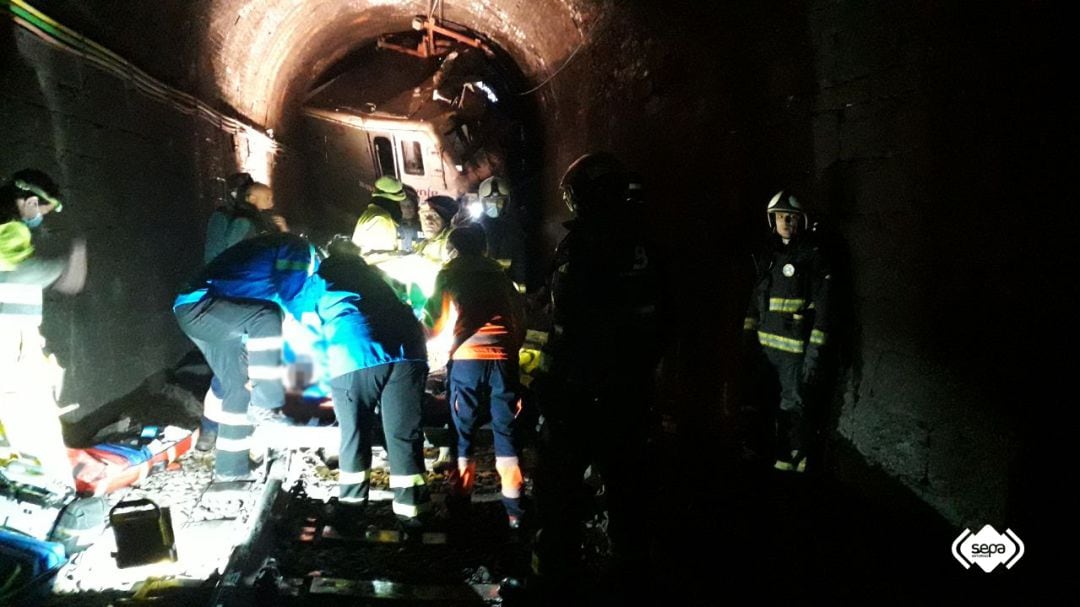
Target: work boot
(207,439)
(349,518)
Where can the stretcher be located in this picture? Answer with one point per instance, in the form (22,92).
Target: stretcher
(103,469)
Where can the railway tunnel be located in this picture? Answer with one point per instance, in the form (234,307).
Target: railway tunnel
(930,142)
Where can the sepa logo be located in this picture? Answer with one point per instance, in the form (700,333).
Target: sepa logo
(987,548)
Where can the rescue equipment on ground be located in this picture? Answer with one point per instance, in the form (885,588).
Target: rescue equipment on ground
(104,468)
(27,568)
(144,533)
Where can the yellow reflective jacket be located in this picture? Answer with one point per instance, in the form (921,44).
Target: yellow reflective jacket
(376,230)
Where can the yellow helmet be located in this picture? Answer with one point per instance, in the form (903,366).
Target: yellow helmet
(15,245)
(390,188)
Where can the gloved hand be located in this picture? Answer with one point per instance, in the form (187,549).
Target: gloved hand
(811,367)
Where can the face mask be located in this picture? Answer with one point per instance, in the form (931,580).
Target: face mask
(493,209)
(35,221)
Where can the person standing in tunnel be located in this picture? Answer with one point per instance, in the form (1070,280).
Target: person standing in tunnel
(376,231)
(233,313)
(29,377)
(482,371)
(598,373)
(787,324)
(377,359)
(506,241)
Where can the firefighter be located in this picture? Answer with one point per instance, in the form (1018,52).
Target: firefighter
(233,313)
(597,371)
(30,379)
(483,368)
(376,231)
(506,241)
(787,322)
(436,216)
(377,359)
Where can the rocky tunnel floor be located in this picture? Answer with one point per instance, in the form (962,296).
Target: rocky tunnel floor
(312,553)
(772,535)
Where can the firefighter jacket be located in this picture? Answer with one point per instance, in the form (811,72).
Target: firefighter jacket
(506,244)
(274,267)
(789,309)
(490,313)
(364,323)
(606,305)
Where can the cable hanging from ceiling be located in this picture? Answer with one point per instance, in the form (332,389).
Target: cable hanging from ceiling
(61,37)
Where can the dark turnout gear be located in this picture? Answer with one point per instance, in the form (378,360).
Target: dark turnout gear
(595,184)
(483,374)
(599,365)
(788,318)
(233,313)
(605,304)
(506,244)
(377,358)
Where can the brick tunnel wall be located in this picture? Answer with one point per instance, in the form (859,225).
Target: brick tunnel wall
(896,119)
(136,180)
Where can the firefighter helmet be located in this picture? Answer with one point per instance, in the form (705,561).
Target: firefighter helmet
(785,202)
(594,184)
(493,193)
(494,186)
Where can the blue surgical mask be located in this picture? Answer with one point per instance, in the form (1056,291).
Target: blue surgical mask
(493,208)
(35,221)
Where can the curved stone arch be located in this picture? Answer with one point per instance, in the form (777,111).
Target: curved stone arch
(264,53)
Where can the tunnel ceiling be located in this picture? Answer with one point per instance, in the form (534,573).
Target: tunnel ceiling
(265,55)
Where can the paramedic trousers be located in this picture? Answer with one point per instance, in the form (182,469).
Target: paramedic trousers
(241,340)
(479,388)
(398,390)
